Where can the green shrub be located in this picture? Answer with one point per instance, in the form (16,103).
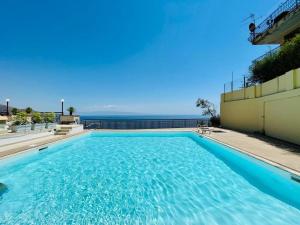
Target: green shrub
(49,117)
(28,110)
(21,118)
(278,63)
(215,121)
(36,117)
(71,110)
(14,111)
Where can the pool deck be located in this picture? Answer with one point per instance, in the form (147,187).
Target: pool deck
(32,143)
(278,153)
(275,152)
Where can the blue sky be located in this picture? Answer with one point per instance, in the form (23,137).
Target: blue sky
(150,57)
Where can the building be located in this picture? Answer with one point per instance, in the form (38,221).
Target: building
(270,107)
(282,25)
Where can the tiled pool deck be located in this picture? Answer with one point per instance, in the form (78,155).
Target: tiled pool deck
(277,153)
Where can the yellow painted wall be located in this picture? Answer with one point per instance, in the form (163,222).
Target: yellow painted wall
(286,82)
(237,95)
(250,92)
(297,78)
(270,87)
(282,123)
(273,108)
(240,115)
(258,90)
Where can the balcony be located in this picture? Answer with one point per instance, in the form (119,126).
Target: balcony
(282,24)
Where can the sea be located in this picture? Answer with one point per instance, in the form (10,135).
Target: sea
(141,121)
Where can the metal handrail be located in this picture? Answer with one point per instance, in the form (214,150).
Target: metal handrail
(140,123)
(287,7)
(271,52)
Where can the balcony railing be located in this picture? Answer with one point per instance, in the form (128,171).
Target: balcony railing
(284,9)
(269,53)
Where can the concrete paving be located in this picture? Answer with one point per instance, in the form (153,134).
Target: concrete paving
(278,153)
(8,150)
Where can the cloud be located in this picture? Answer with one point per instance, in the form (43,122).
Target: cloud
(110,106)
(95,108)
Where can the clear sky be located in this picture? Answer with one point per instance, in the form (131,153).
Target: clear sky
(144,56)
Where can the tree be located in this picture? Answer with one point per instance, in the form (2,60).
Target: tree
(28,110)
(208,108)
(49,117)
(14,111)
(71,110)
(21,118)
(36,117)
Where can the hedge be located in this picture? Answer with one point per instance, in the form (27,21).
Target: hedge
(278,63)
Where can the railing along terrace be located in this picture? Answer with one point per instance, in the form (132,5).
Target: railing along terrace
(141,123)
(271,52)
(237,84)
(284,9)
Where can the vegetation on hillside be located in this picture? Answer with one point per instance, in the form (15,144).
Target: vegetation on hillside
(276,64)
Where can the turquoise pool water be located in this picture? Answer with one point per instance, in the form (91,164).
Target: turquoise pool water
(145,178)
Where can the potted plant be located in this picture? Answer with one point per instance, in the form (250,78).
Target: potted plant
(49,118)
(19,123)
(71,110)
(29,111)
(70,119)
(36,118)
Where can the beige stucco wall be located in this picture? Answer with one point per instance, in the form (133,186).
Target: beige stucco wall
(240,115)
(273,108)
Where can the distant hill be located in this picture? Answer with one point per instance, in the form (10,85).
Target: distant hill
(3,109)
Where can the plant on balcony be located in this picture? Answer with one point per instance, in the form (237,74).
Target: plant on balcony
(278,63)
(71,110)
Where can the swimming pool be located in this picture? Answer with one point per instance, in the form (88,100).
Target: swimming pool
(145,178)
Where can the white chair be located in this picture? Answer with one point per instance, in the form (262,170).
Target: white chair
(203,129)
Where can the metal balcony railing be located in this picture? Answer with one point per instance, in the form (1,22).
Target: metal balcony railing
(284,9)
(271,52)
(238,84)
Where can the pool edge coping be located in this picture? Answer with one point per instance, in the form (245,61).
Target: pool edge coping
(255,156)
(42,145)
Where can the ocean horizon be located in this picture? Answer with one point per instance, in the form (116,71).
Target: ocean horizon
(140,117)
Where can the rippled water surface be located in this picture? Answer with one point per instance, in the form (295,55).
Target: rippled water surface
(133,180)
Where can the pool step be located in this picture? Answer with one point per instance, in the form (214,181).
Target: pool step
(63,131)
